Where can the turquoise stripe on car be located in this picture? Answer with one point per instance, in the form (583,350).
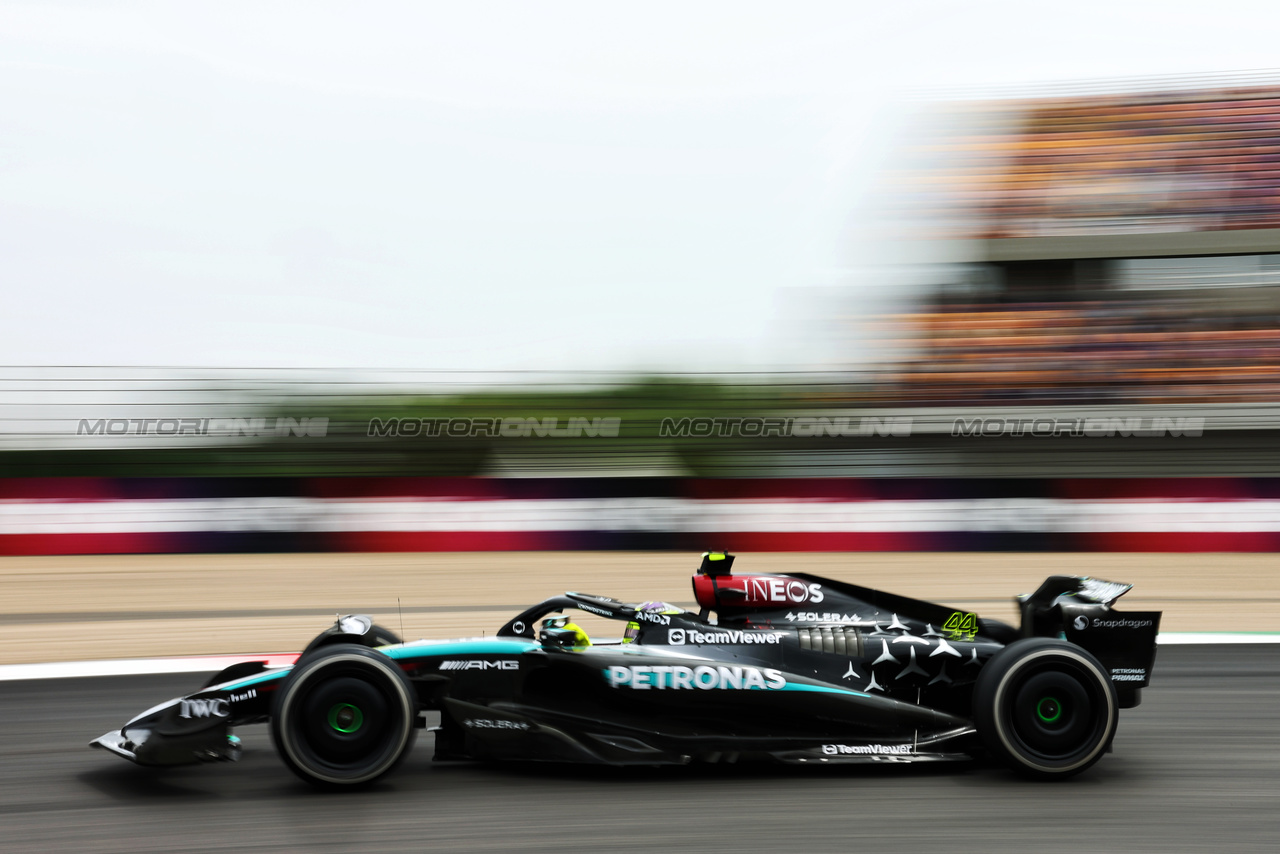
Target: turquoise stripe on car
(822,689)
(418,649)
(478,646)
(256,679)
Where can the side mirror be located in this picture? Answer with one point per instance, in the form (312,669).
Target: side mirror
(559,638)
(561,633)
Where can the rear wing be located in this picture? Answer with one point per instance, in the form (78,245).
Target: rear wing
(1078,609)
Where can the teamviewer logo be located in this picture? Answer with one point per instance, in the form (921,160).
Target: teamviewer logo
(675,637)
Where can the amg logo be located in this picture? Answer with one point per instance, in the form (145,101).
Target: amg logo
(678,637)
(477,664)
(203,709)
(868,749)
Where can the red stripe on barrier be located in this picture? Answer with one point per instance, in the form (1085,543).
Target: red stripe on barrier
(1178,541)
(447,541)
(1165,489)
(87,544)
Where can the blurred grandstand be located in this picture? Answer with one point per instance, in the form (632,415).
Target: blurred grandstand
(1115,267)
(1118,246)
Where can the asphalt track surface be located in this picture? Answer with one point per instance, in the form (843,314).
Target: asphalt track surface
(1195,768)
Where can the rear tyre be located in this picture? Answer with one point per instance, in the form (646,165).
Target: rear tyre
(1046,708)
(344,717)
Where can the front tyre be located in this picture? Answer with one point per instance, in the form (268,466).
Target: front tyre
(344,717)
(1045,707)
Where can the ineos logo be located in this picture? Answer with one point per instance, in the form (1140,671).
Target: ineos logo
(675,637)
(764,589)
(1081,623)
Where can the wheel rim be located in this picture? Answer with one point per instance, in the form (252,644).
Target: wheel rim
(349,721)
(345,718)
(1048,710)
(1057,713)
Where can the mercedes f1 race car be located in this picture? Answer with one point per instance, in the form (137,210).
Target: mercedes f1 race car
(788,668)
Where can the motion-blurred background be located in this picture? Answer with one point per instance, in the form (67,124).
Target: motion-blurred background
(432,310)
(582,281)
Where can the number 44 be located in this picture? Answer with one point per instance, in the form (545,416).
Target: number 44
(960,623)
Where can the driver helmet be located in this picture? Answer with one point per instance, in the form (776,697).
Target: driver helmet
(633,627)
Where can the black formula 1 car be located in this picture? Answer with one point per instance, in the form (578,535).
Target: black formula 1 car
(789,668)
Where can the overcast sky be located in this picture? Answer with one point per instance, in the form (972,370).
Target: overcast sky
(491,186)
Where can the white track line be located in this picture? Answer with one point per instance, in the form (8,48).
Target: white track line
(136,666)
(211,663)
(1208,638)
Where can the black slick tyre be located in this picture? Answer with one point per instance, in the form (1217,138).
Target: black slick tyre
(344,717)
(1046,708)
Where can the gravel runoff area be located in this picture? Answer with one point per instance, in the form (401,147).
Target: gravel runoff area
(62,608)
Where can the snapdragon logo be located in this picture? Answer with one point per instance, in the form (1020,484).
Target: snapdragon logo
(704,678)
(679,637)
(1121,624)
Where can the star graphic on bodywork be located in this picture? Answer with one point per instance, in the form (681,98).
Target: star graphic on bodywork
(912,667)
(851,673)
(946,648)
(942,676)
(873,685)
(884,654)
